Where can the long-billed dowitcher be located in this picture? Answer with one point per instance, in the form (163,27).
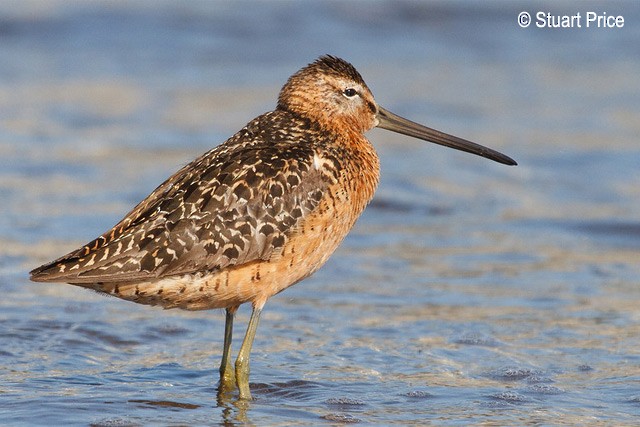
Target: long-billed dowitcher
(254,215)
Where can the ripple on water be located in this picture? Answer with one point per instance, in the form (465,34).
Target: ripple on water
(115,422)
(538,379)
(296,389)
(543,389)
(344,402)
(165,403)
(508,398)
(419,394)
(478,339)
(513,373)
(341,418)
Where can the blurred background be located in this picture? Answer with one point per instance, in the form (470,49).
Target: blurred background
(468,293)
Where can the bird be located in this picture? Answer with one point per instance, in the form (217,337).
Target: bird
(254,215)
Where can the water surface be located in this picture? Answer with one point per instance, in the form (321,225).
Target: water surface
(468,293)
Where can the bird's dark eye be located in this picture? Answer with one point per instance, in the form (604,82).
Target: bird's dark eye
(350,92)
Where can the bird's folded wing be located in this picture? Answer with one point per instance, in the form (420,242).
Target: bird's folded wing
(228,207)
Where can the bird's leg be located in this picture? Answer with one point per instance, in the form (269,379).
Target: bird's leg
(227,374)
(242,363)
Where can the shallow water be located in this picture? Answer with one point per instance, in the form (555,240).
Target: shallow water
(468,293)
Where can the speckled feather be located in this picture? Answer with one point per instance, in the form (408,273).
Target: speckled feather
(239,203)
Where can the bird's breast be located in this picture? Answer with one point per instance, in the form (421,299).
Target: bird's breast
(351,175)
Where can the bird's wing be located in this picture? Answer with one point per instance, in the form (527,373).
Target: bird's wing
(237,203)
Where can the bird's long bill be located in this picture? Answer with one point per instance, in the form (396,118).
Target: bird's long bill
(388,120)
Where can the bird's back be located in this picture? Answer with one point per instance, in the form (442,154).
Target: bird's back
(239,204)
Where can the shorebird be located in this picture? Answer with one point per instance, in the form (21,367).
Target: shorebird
(255,215)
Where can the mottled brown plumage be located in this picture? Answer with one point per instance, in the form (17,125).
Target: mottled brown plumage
(254,215)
